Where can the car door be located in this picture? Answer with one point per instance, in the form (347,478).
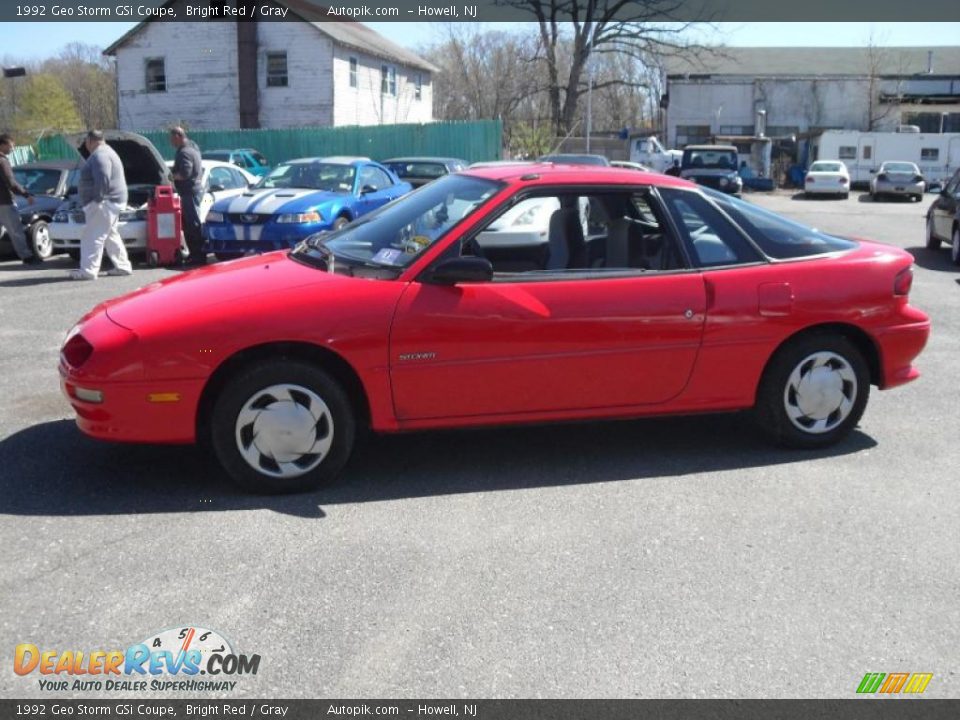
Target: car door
(945,207)
(546,341)
(375,188)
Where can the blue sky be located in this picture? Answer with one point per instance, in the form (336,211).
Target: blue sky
(35,41)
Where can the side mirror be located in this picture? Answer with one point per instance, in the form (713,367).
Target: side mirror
(461,269)
(367,189)
(217,188)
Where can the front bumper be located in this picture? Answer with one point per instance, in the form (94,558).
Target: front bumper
(66,236)
(233,239)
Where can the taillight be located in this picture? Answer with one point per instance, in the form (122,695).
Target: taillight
(918,178)
(76,351)
(809,179)
(903,282)
(882,176)
(843,181)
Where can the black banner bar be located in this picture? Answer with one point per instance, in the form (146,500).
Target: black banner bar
(858,709)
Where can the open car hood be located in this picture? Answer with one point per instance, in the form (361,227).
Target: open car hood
(142,162)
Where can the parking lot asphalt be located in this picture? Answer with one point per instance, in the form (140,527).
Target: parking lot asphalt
(677,557)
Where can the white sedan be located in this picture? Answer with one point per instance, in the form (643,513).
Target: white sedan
(220,180)
(827,177)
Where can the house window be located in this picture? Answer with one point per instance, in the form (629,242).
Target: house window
(276,69)
(929,154)
(418,86)
(156,76)
(736,129)
(693,134)
(388,80)
(353,72)
(848,152)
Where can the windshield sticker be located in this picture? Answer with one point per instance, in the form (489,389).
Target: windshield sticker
(387,256)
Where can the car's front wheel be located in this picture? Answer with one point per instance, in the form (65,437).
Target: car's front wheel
(955,246)
(282,426)
(813,392)
(933,242)
(340,223)
(40,240)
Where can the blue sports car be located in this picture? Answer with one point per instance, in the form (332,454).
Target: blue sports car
(299,198)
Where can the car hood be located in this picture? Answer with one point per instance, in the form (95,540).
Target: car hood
(278,200)
(142,162)
(230,285)
(42,204)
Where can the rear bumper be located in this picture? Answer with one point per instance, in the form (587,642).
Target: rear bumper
(899,346)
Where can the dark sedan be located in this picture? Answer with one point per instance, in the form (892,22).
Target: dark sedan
(420,170)
(50,182)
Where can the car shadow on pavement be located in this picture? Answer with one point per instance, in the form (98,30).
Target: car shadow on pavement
(933,259)
(51,469)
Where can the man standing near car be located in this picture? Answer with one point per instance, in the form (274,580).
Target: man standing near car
(187,169)
(9,217)
(103,195)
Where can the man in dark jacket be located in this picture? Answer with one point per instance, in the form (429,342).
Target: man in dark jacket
(9,217)
(187,171)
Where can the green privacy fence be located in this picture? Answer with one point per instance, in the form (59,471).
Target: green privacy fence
(472,141)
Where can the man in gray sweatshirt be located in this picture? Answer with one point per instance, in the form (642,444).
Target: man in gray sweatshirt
(103,195)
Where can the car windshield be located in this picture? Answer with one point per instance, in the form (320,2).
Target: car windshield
(395,235)
(417,169)
(39,181)
(776,236)
(331,177)
(900,167)
(710,159)
(826,167)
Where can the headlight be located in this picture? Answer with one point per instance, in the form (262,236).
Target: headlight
(214,217)
(723,182)
(308,217)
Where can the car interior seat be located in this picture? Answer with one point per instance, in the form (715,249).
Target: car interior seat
(567,247)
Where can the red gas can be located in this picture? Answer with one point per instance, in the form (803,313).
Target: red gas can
(163,227)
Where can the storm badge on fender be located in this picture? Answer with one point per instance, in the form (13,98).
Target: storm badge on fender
(405,357)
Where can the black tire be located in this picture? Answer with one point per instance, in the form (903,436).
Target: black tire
(845,375)
(277,395)
(955,246)
(340,223)
(40,242)
(846,196)
(933,242)
(74,255)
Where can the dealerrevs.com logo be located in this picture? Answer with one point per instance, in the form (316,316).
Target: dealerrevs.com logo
(170,660)
(894,683)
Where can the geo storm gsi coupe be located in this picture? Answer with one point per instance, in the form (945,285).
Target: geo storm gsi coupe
(645,295)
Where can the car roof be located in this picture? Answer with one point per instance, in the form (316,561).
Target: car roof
(553,173)
(50,165)
(332,159)
(424,159)
(710,147)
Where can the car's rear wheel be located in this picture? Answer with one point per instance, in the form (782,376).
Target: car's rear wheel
(933,242)
(282,426)
(955,246)
(40,240)
(813,392)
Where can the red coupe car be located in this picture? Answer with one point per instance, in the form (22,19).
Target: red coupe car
(640,294)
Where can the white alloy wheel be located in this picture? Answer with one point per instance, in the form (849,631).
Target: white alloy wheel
(820,392)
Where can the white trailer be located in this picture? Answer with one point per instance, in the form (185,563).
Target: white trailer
(648,151)
(936,154)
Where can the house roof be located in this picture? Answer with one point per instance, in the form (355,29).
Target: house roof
(343,31)
(804,61)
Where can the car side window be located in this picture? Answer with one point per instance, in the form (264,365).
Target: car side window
(222,177)
(710,238)
(239,181)
(571,234)
(374,177)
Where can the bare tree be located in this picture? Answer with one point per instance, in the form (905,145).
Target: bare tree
(634,28)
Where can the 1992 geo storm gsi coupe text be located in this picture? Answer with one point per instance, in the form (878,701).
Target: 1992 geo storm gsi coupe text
(643,295)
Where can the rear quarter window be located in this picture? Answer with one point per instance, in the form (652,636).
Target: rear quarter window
(776,236)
